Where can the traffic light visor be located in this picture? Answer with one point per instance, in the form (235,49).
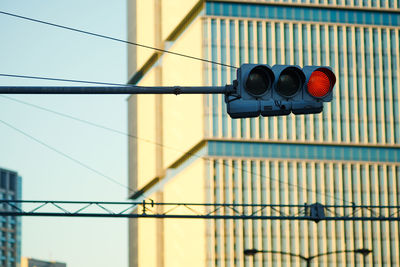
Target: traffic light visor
(290,81)
(259,80)
(321,82)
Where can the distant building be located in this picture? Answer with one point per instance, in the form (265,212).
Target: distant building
(10,227)
(29,262)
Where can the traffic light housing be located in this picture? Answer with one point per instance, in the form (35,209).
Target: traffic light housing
(280,90)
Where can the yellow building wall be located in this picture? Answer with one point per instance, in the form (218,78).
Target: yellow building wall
(171,15)
(183,115)
(185,239)
(147,243)
(183,127)
(24,262)
(146,151)
(145,29)
(173,12)
(131,35)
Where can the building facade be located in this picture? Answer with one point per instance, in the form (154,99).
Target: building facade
(189,150)
(30,262)
(10,239)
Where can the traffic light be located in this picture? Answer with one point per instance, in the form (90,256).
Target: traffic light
(280,90)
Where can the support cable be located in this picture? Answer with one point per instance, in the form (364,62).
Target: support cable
(66,156)
(61,80)
(114,39)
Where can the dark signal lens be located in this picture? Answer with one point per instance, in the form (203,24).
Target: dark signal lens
(319,84)
(290,81)
(259,81)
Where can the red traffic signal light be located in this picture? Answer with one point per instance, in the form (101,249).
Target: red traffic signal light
(320,82)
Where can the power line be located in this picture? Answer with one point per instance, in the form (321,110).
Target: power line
(60,79)
(115,39)
(167,147)
(66,155)
(83,121)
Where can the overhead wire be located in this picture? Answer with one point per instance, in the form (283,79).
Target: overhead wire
(60,79)
(115,39)
(164,146)
(65,155)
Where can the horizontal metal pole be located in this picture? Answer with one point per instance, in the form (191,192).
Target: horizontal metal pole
(215,217)
(197,204)
(128,89)
(145,210)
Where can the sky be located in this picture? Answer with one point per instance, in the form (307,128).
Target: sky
(28,48)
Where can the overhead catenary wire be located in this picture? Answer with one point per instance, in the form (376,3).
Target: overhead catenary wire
(167,147)
(66,155)
(115,39)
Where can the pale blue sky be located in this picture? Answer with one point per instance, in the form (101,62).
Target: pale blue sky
(28,48)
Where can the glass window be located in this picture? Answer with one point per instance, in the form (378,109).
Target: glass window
(260,48)
(278,48)
(242,38)
(377,85)
(296,44)
(13,182)
(395,78)
(272,181)
(235,9)
(223,80)
(3,183)
(309,197)
(261,127)
(233,60)
(360,87)
(351,91)
(282,184)
(250,42)
(342,89)
(322,43)
(368,85)
(269,43)
(288,44)
(214,74)
(253,127)
(386,85)
(314,44)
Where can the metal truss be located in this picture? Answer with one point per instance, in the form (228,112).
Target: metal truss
(148,209)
